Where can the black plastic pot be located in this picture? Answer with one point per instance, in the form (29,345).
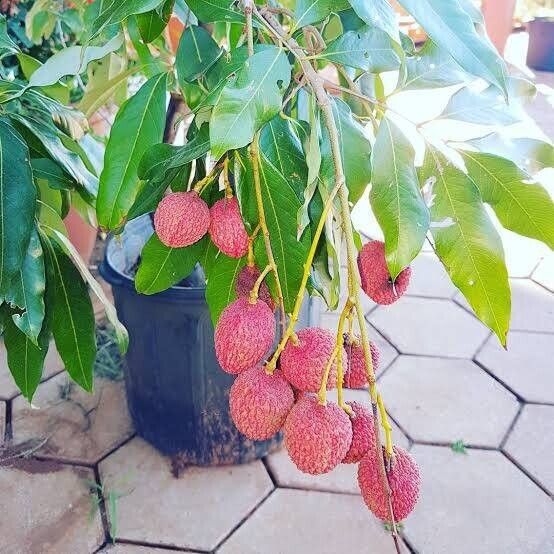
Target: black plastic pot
(540,54)
(176,391)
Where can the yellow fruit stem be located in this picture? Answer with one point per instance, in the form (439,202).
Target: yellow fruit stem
(256,288)
(226,182)
(199,186)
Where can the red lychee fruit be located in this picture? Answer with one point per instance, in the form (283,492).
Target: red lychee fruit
(303,364)
(243,335)
(355,376)
(404,483)
(181,219)
(375,276)
(245,282)
(227,229)
(363,433)
(317,437)
(260,403)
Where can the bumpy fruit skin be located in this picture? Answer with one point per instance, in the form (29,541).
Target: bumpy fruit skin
(227,228)
(245,282)
(404,482)
(243,335)
(355,376)
(375,276)
(303,364)
(317,437)
(363,433)
(260,403)
(181,219)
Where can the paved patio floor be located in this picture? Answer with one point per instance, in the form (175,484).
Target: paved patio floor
(446,382)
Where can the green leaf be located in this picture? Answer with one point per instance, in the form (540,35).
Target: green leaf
(355,150)
(197,52)
(29,65)
(431,67)
(72,60)
(467,242)
(138,125)
(521,205)
(27,290)
(50,171)
(453,30)
(368,49)
(395,197)
(162,267)
(72,315)
(17,203)
(378,13)
(151,24)
(50,207)
(209,11)
(313,11)
(7,45)
(249,101)
(530,154)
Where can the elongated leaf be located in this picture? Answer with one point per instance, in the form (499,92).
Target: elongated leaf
(520,204)
(378,13)
(209,11)
(395,197)
(114,11)
(469,247)
(452,29)
(368,49)
(29,65)
(50,171)
(7,45)
(17,203)
(431,67)
(197,52)
(137,126)
(27,290)
(151,24)
(251,100)
(313,11)
(162,267)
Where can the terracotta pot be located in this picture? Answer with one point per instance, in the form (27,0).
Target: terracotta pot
(81,234)
(499,21)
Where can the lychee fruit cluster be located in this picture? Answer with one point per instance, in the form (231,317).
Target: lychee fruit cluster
(227,228)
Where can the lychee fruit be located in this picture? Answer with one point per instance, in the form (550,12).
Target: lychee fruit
(181,219)
(363,433)
(303,363)
(245,282)
(404,482)
(317,437)
(260,402)
(355,376)
(375,276)
(243,335)
(227,229)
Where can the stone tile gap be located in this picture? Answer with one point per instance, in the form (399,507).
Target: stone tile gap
(115,448)
(498,380)
(102,504)
(526,473)
(161,547)
(512,425)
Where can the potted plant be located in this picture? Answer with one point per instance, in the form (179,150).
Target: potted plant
(260,197)
(539,15)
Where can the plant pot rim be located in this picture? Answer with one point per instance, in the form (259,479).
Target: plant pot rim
(543,19)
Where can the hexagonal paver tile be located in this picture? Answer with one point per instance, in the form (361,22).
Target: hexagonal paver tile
(429,278)
(531,443)
(8,388)
(429,326)
(195,511)
(46,508)
(2,421)
(477,503)
(133,549)
(544,274)
(293,521)
(80,427)
(443,400)
(532,307)
(525,367)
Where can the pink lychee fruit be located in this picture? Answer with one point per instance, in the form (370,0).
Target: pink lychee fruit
(181,219)
(227,229)
(243,335)
(363,433)
(260,402)
(317,437)
(355,376)
(245,282)
(375,276)
(303,363)
(404,483)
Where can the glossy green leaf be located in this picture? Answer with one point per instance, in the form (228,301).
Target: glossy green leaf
(50,207)
(250,100)
(7,45)
(29,65)
(139,124)
(50,171)
(467,242)
(368,49)
(378,13)
(453,30)
(197,52)
(113,11)
(395,197)
(521,205)
(209,11)
(17,203)
(151,24)
(308,12)
(162,267)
